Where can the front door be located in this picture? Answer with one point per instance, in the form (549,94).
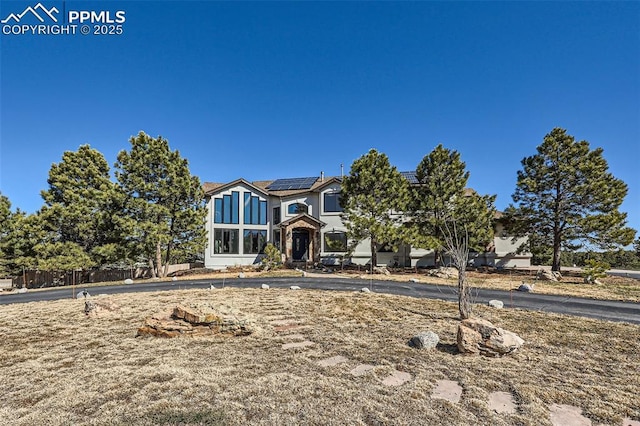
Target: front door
(300,241)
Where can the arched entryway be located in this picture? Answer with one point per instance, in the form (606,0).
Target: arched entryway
(301,238)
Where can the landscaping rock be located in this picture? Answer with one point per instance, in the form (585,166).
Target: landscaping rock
(381,270)
(98,308)
(21,290)
(330,362)
(496,304)
(527,288)
(590,280)
(414,280)
(448,390)
(198,320)
(443,272)
(265,286)
(502,402)
(567,415)
(397,378)
(174,279)
(544,274)
(425,340)
(298,345)
(128,281)
(294,287)
(479,336)
(241,275)
(365,290)
(362,369)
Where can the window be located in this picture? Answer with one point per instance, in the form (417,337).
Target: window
(276,238)
(226,209)
(255,210)
(332,202)
(226,241)
(254,241)
(297,208)
(276,215)
(335,242)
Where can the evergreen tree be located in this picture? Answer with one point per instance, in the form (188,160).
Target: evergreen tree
(19,242)
(6,226)
(372,196)
(441,177)
(565,196)
(163,200)
(81,209)
(447,216)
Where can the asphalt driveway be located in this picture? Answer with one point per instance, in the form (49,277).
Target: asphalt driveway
(600,309)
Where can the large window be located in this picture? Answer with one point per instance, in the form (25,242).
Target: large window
(297,208)
(255,210)
(227,208)
(335,242)
(254,241)
(226,241)
(332,202)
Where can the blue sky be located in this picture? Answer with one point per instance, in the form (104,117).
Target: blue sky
(287,89)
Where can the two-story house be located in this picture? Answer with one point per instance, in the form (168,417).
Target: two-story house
(301,216)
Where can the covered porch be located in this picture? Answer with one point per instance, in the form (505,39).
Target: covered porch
(301,240)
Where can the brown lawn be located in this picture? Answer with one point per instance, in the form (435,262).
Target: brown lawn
(60,367)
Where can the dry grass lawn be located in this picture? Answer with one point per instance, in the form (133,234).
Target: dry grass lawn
(59,367)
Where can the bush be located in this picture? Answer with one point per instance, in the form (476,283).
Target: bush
(594,269)
(272,258)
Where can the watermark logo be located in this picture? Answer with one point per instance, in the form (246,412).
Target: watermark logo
(42,20)
(33,11)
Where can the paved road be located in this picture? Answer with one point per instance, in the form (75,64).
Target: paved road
(606,310)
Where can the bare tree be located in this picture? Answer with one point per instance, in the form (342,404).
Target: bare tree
(456,245)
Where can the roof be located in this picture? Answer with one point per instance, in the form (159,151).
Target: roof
(302,216)
(262,185)
(290,183)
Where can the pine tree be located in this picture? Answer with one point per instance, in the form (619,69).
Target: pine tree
(446,216)
(441,177)
(81,211)
(373,196)
(20,238)
(163,200)
(565,197)
(6,226)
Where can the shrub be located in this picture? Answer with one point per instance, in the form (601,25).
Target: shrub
(272,258)
(594,269)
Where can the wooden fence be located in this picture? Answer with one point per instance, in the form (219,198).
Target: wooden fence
(41,279)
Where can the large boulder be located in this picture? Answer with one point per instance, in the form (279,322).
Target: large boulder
(479,336)
(197,320)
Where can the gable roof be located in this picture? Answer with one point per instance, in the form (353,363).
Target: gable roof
(303,216)
(211,188)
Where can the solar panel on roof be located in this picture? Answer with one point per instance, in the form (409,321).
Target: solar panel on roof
(292,184)
(410,176)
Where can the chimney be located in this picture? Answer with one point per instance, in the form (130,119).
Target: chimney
(321,176)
